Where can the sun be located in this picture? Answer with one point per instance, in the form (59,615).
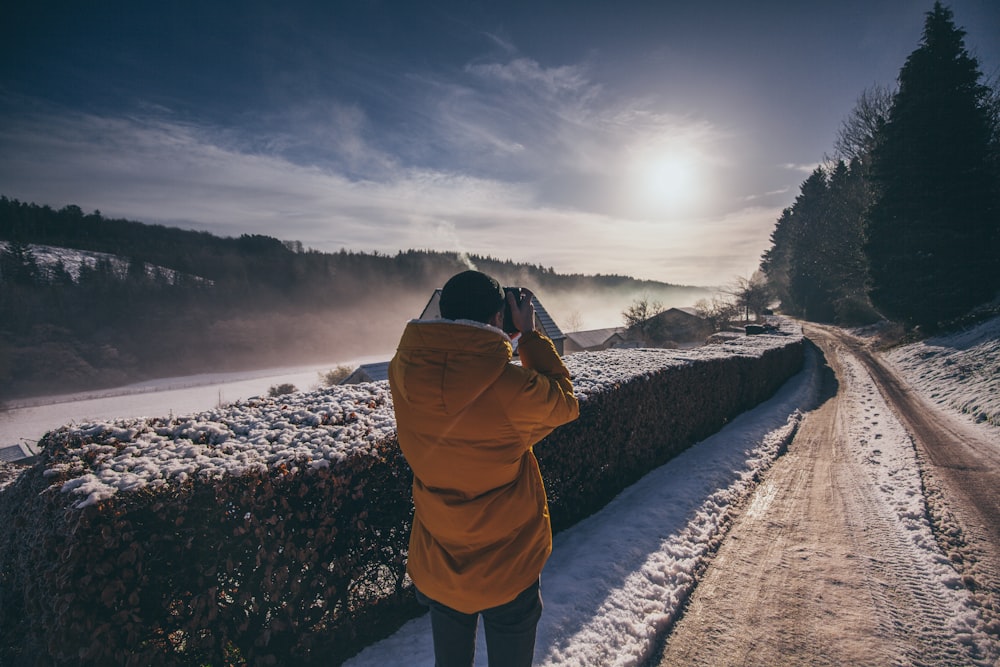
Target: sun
(665,181)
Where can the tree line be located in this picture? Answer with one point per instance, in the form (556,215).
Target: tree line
(162,301)
(904,221)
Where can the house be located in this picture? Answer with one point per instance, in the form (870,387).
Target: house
(675,326)
(596,339)
(543,321)
(368,373)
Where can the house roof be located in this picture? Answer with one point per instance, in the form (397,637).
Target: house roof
(373,372)
(17,453)
(432,311)
(693,312)
(593,337)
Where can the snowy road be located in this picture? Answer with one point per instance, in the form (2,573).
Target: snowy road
(834,561)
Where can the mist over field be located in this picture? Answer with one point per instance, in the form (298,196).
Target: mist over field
(600,309)
(93,303)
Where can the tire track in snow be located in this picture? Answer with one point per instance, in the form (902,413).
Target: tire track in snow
(960,469)
(928,620)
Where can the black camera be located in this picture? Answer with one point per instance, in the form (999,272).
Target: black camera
(508,319)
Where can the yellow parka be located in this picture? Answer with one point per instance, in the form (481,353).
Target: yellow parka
(467,419)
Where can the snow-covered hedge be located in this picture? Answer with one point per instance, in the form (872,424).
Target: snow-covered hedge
(670,400)
(274,530)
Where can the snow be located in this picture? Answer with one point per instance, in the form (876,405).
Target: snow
(616,581)
(883,444)
(311,428)
(27,420)
(960,372)
(47,257)
(317,427)
(597,371)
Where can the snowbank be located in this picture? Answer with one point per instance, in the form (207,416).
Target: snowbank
(959,371)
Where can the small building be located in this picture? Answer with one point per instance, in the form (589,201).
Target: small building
(368,373)
(596,339)
(543,321)
(673,327)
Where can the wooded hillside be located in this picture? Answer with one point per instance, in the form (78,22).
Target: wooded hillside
(180,302)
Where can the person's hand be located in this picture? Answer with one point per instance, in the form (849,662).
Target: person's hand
(523,316)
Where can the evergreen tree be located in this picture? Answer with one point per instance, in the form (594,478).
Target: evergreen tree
(807,272)
(18,265)
(933,227)
(60,276)
(776,260)
(816,266)
(846,265)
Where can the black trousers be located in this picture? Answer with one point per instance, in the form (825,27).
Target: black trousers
(510,631)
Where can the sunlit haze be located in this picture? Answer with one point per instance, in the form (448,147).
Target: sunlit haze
(652,139)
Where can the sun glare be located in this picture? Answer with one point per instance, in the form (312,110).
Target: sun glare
(666,182)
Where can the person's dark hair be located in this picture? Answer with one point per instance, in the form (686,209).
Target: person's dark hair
(471,295)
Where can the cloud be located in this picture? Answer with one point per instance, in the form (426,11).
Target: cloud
(525,73)
(157,171)
(510,159)
(767,195)
(578,145)
(503,42)
(801,168)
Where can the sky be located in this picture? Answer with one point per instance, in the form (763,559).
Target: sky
(659,139)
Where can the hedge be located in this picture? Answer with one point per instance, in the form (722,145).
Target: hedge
(301,561)
(623,434)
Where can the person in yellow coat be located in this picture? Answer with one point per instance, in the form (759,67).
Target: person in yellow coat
(467,419)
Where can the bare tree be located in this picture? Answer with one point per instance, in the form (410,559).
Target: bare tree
(750,295)
(333,376)
(573,321)
(719,312)
(859,131)
(641,310)
(640,317)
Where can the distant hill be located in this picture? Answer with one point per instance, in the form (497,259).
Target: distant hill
(136,301)
(52,259)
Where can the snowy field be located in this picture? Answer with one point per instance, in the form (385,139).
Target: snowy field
(48,257)
(27,420)
(306,428)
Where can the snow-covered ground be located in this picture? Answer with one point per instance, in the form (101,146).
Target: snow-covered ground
(618,579)
(960,372)
(27,420)
(47,257)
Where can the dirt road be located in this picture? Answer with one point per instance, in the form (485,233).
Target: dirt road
(825,565)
